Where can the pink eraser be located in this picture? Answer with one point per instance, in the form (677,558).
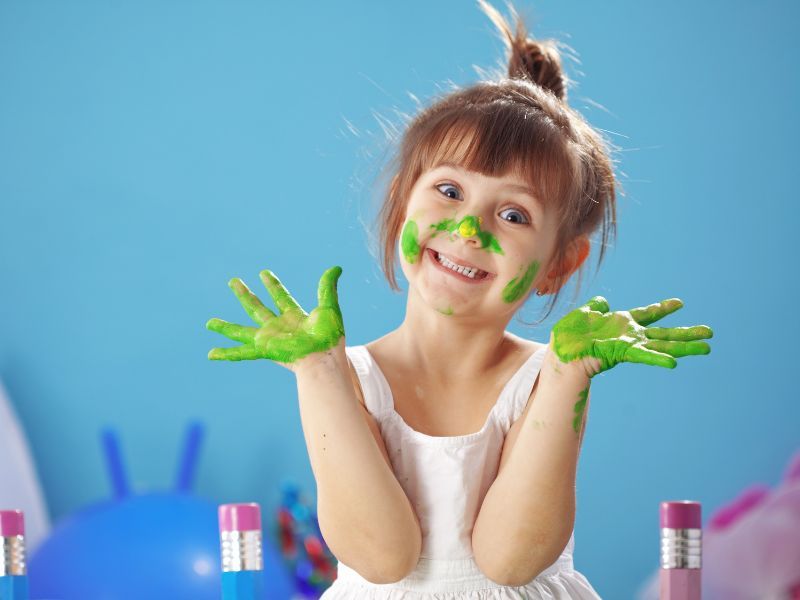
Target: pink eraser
(681,514)
(12,522)
(240,517)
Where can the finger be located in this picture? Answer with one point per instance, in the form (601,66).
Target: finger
(597,303)
(281,296)
(237,333)
(237,353)
(698,332)
(327,294)
(638,354)
(644,315)
(257,311)
(678,349)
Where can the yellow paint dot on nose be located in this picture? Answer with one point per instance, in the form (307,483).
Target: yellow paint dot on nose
(467,229)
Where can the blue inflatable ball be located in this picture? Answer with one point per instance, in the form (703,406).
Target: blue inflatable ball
(161,545)
(154,546)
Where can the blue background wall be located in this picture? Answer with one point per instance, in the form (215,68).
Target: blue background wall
(151,151)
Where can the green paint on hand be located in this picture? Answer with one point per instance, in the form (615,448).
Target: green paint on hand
(409,241)
(468,227)
(519,286)
(579,407)
(446,311)
(622,336)
(289,336)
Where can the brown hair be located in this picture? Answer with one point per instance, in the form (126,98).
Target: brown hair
(521,124)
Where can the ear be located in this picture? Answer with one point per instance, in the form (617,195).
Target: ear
(577,251)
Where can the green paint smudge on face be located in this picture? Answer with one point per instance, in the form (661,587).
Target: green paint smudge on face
(409,241)
(469,226)
(446,311)
(289,336)
(612,337)
(519,286)
(579,407)
(444,225)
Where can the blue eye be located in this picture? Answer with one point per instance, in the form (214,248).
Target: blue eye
(441,185)
(516,216)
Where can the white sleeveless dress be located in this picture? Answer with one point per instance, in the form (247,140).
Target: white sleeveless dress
(446,479)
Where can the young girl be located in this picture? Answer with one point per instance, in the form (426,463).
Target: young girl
(445,452)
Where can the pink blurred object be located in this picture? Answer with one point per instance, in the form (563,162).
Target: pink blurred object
(12,523)
(240,517)
(751,546)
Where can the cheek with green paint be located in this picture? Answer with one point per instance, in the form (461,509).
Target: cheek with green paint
(518,287)
(409,241)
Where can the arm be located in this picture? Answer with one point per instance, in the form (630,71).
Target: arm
(364,514)
(528,513)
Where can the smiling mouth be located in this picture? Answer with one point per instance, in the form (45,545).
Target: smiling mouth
(467,272)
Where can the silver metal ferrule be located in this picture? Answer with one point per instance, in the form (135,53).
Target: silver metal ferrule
(12,555)
(241,551)
(681,548)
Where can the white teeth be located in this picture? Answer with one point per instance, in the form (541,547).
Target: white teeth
(467,271)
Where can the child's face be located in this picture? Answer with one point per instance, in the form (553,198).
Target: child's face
(458,218)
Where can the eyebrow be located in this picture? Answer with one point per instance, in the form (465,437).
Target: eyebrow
(510,186)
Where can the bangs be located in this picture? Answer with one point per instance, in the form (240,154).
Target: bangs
(504,140)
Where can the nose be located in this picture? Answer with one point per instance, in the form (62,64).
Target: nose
(469,226)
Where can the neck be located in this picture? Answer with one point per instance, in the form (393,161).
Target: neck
(454,347)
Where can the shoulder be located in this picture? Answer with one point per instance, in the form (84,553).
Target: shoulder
(358,356)
(522,345)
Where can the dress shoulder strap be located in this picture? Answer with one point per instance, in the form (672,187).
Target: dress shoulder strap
(515,394)
(377,394)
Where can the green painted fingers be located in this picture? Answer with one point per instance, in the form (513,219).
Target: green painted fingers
(623,336)
(286,337)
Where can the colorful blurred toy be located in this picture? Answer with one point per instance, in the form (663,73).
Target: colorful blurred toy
(751,546)
(296,532)
(135,546)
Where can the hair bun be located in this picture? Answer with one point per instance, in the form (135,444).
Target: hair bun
(535,60)
(539,63)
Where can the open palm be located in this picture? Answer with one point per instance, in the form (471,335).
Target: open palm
(289,336)
(623,336)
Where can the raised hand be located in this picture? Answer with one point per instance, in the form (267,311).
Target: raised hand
(623,336)
(287,337)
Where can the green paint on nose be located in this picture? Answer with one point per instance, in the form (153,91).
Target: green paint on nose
(409,241)
(446,311)
(519,286)
(470,226)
